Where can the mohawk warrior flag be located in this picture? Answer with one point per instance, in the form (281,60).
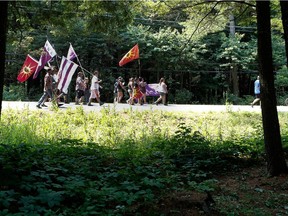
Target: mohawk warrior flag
(27,69)
(71,53)
(66,71)
(130,56)
(47,54)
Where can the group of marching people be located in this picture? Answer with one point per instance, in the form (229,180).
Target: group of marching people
(136,89)
(50,90)
(86,92)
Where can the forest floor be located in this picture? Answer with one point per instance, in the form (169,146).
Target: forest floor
(246,192)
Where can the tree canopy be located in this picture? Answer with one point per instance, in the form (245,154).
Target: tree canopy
(188,42)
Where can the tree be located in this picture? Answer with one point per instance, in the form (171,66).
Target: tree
(284,9)
(3,27)
(276,163)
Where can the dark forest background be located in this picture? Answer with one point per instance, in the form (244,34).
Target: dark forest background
(206,51)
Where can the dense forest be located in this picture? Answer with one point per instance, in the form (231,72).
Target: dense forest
(207,51)
(109,162)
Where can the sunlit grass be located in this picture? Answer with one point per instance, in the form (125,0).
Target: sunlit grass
(113,162)
(110,128)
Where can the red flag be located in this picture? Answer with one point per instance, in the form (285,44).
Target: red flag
(131,55)
(27,69)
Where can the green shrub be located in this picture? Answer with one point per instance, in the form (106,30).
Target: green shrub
(183,96)
(14,93)
(117,163)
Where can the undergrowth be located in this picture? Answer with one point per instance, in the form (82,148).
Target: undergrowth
(118,163)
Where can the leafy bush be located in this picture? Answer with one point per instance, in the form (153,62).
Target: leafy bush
(14,93)
(116,163)
(183,96)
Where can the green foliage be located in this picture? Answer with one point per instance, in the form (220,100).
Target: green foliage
(237,53)
(14,93)
(183,96)
(72,162)
(166,47)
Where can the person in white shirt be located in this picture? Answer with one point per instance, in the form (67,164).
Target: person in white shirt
(95,89)
(163,92)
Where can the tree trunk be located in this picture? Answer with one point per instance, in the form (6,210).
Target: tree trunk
(276,163)
(234,72)
(284,11)
(235,80)
(3,27)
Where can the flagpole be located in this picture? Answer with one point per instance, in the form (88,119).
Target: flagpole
(83,69)
(139,67)
(86,70)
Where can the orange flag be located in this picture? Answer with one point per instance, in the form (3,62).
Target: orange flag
(27,69)
(131,55)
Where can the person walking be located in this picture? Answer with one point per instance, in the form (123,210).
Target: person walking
(142,85)
(86,91)
(163,92)
(80,88)
(120,89)
(48,88)
(256,91)
(95,93)
(130,87)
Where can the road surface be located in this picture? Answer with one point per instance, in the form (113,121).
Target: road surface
(171,107)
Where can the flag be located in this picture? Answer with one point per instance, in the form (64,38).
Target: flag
(66,71)
(131,55)
(47,54)
(152,90)
(71,53)
(27,69)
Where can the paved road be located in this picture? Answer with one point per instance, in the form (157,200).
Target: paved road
(171,107)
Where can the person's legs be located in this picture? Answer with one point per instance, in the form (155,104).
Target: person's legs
(164,99)
(144,98)
(77,97)
(92,95)
(98,97)
(255,101)
(158,100)
(120,96)
(42,99)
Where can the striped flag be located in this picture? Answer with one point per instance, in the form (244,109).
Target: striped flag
(66,71)
(47,54)
(71,53)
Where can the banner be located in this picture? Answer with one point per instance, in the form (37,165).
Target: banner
(131,55)
(47,54)
(152,90)
(27,69)
(65,73)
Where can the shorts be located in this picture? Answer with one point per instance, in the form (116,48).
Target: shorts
(79,93)
(257,95)
(94,93)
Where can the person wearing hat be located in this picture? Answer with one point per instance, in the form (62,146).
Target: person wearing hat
(80,88)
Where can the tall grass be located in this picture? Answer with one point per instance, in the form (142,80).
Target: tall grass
(117,162)
(111,128)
